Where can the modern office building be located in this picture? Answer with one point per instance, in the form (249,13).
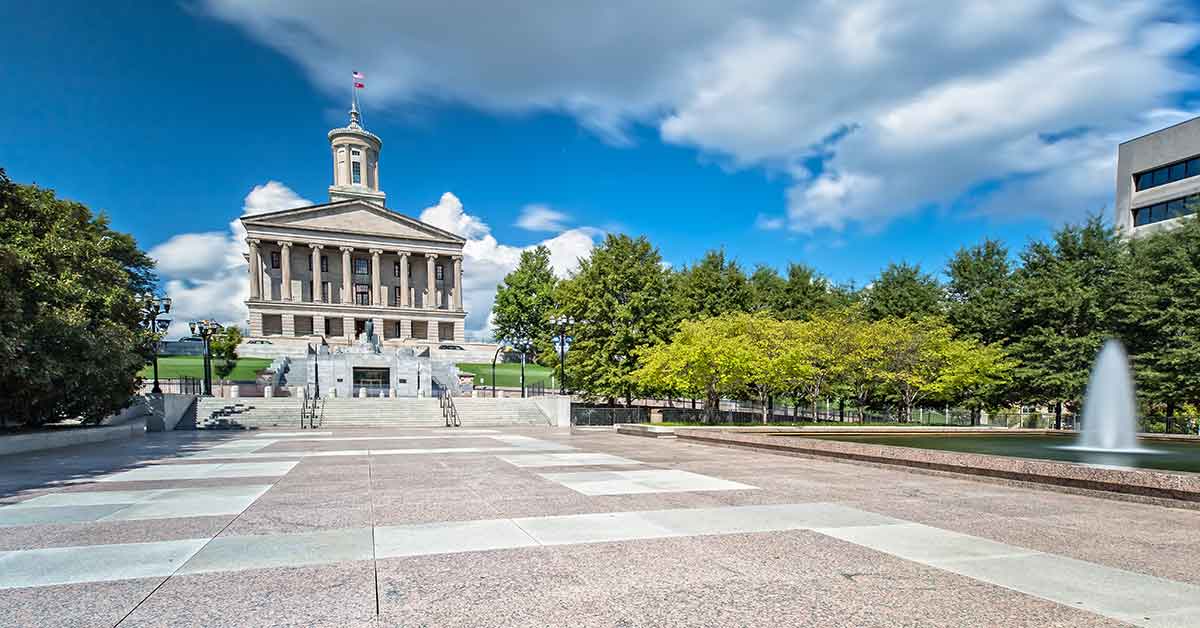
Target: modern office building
(324,271)
(1158,179)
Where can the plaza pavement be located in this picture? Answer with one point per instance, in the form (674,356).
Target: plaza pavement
(541,527)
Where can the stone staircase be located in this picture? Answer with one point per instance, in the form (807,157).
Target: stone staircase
(372,412)
(480,412)
(248,412)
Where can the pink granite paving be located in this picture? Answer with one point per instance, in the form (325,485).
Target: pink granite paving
(797,578)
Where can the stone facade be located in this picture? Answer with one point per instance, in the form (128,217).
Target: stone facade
(323,271)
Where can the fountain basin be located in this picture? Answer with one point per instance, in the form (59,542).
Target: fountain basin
(992,455)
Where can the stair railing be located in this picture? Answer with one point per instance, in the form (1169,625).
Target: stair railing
(449,411)
(304,411)
(318,414)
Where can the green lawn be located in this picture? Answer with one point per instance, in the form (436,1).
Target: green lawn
(175,366)
(847,424)
(508,375)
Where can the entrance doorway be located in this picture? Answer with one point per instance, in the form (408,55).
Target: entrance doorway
(375,380)
(360,326)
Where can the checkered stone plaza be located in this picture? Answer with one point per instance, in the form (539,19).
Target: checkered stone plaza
(543,526)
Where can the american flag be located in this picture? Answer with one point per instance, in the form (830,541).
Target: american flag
(359,77)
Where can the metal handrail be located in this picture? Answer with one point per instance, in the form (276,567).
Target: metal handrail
(304,410)
(449,410)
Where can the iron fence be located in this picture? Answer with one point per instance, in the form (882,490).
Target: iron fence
(585,415)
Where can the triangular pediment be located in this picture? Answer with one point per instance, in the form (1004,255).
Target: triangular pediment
(352,216)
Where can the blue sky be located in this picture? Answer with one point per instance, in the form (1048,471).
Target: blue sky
(880,134)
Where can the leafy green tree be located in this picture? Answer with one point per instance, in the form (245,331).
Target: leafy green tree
(1064,310)
(525,302)
(766,290)
(72,335)
(224,350)
(1160,298)
(901,291)
(712,287)
(709,358)
(977,376)
(980,292)
(805,292)
(917,355)
(618,302)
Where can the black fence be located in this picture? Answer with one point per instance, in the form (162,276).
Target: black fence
(584,415)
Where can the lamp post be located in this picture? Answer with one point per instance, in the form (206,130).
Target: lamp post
(562,322)
(152,308)
(506,348)
(206,329)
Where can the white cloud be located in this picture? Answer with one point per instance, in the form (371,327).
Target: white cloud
(904,105)
(486,261)
(769,223)
(541,218)
(205,274)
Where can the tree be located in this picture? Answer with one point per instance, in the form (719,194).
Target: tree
(817,357)
(977,375)
(1064,310)
(618,301)
(525,302)
(1156,315)
(901,291)
(72,335)
(766,290)
(917,353)
(712,287)
(980,292)
(806,292)
(224,350)
(708,358)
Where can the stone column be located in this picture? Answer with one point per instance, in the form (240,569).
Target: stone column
(404,297)
(430,281)
(458,284)
(348,327)
(316,272)
(285,264)
(255,269)
(375,253)
(347,289)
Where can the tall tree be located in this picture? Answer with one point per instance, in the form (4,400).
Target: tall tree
(766,290)
(224,350)
(618,302)
(525,302)
(903,290)
(1065,293)
(712,287)
(1160,298)
(72,291)
(805,292)
(980,291)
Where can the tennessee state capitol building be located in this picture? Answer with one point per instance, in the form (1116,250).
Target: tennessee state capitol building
(325,270)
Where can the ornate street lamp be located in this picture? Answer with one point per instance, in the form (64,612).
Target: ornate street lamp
(562,322)
(505,348)
(206,329)
(152,308)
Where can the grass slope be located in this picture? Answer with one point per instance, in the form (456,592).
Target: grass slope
(174,366)
(508,375)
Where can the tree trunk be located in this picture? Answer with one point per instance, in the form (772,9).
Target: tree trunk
(1058,415)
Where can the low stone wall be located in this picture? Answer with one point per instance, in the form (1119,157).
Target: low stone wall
(68,437)
(1141,482)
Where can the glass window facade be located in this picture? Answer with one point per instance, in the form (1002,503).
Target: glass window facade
(1167,174)
(362,266)
(356,172)
(1166,210)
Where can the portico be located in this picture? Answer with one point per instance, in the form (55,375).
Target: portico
(324,270)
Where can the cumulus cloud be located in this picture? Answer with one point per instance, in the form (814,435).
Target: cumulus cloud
(206,274)
(872,109)
(486,261)
(541,218)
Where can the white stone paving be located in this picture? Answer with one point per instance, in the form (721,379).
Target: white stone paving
(202,471)
(644,481)
(78,507)
(567,460)
(94,563)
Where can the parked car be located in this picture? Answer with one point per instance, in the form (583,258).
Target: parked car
(451,348)
(259,342)
(191,339)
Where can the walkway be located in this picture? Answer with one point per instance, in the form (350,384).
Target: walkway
(538,527)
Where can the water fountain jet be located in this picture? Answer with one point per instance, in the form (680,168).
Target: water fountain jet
(1110,407)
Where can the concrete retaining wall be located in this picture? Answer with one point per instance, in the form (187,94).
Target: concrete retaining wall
(67,437)
(167,412)
(557,409)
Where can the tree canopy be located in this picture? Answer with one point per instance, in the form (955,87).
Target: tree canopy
(525,303)
(72,293)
